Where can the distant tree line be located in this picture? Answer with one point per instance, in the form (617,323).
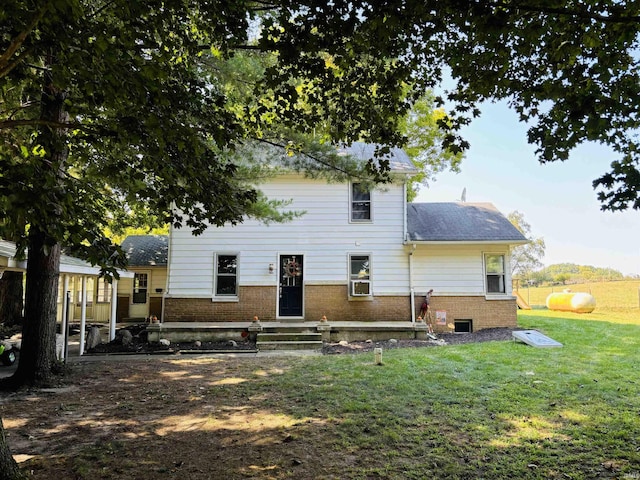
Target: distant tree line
(565,273)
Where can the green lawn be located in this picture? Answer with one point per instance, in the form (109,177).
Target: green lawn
(495,410)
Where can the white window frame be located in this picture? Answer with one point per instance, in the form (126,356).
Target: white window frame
(137,287)
(502,274)
(104,291)
(225,297)
(352,201)
(355,279)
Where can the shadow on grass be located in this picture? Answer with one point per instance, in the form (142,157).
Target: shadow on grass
(492,410)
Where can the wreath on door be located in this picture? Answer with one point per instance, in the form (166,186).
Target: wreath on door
(291,268)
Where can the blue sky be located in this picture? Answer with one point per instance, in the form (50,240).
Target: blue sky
(556,199)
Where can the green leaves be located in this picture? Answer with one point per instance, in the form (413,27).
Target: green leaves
(157,96)
(525,259)
(429,143)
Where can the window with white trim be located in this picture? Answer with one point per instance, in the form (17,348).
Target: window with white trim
(226,275)
(360,203)
(104,291)
(494,267)
(359,275)
(140,286)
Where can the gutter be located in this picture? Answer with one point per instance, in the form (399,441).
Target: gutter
(465,242)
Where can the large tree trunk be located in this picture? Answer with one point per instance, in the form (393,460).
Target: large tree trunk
(11,293)
(8,467)
(37,354)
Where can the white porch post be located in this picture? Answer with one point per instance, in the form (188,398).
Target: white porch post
(63,323)
(114,309)
(83,313)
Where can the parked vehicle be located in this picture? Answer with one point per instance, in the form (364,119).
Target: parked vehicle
(7,355)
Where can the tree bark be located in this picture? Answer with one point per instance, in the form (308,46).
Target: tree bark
(11,298)
(8,467)
(37,354)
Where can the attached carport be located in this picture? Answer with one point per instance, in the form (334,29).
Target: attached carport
(69,267)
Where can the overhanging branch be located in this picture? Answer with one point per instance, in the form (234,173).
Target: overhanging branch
(5,64)
(613,18)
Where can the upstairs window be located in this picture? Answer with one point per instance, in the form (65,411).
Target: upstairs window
(226,275)
(495,273)
(360,203)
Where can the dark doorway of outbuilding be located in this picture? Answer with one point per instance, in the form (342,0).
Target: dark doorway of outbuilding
(463,326)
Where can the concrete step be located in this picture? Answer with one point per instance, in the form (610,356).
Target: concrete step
(289,341)
(289,336)
(289,329)
(289,345)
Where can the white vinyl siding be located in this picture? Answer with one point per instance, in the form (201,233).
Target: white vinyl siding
(324,235)
(453,270)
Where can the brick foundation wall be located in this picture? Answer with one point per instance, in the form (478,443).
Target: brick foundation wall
(332,301)
(483,313)
(260,301)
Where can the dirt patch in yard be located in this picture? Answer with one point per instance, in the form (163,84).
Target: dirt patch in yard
(137,343)
(485,335)
(140,345)
(191,417)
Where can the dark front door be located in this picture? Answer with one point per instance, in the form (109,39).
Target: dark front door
(291,295)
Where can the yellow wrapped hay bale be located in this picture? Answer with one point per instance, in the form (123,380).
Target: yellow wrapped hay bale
(571,302)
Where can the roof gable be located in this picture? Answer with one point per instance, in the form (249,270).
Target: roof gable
(460,222)
(146,250)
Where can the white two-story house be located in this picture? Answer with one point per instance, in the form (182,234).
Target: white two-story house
(355,255)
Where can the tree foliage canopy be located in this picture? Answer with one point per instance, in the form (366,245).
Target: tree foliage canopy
(570,69)
(525,258)
(426,144)
(133,111)
(155,94)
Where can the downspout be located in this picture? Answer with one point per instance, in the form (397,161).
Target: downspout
(411,289)
(405,238)
(404,213)
(166,287)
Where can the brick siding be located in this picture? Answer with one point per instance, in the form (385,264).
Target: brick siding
(483,313)
(333,301)
(252,301)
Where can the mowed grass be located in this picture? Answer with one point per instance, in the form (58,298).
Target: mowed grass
(494,410)
(488,410)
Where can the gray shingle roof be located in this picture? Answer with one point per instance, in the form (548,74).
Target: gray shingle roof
(146,250)
(399,161)
(459,222)
(68,264)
